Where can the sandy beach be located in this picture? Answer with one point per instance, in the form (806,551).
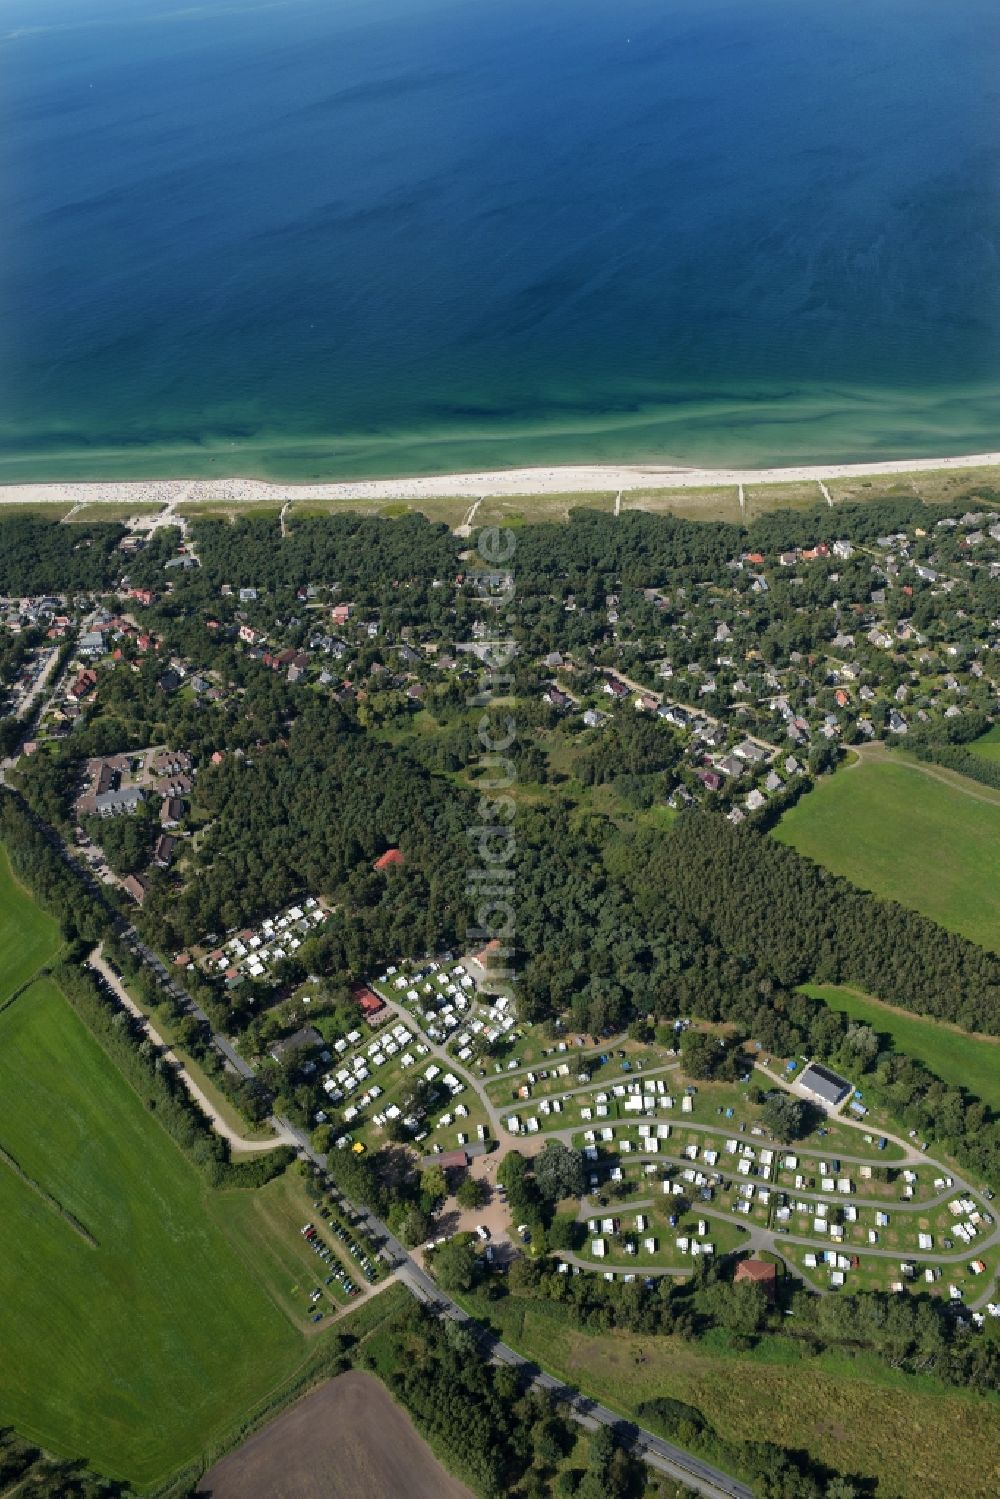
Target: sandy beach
(567,479)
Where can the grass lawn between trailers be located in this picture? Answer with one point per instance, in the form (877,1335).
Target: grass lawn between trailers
(884,825)
(111,1241)
(916,1435)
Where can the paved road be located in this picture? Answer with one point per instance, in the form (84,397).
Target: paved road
(653,1450)
(26,708)
(699,712)
(700,1476)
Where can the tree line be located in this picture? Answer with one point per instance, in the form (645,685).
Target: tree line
(916,1334)
(757,897)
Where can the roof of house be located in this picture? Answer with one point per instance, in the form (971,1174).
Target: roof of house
(824,1083)
(451,1158)
(392,856)
(369,1001)
(135,885)
(759,1270)
(124,799)
(164,850)
(297,1041)
(759,1273)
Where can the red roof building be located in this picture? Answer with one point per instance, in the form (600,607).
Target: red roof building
(83,685)
(371,1004)
(451,1160)
(392,857)
(759,1273)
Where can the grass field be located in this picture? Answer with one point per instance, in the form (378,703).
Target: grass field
(28,937)
(988,744)
(535,509)
(919,840)
(44,509)
(112,510)
(968,1061)
(940,486)
(720,503)
(916,1436)
(138,1352)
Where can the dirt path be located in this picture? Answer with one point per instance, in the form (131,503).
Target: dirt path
(367,1293)
(99,963)
(465,529)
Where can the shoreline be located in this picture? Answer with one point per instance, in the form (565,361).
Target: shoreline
(559,479)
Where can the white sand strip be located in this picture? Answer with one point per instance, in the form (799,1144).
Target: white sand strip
(568,479)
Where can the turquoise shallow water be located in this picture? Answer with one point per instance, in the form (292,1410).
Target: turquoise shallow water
(397,236)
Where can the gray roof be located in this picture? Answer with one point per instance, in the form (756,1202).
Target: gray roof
(307,1036)
(126,799)
(824,1083)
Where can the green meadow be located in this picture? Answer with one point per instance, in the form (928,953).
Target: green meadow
(28,937)
(988,744)
(891,828)
(968,1061)
(916,1436)
(133,1332)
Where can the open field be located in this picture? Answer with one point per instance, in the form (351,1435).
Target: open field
(114,512)
(968,1061)
(711,503)
(988,744)
(915,1435)
(223,509)
(28,936)
(265,1227)
(964,785)
(759,499)
(43,509)
(347,1438)
(527,509)
(885,825)
(452,509)
(154,1323)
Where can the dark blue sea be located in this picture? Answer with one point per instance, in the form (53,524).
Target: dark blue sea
(397,236)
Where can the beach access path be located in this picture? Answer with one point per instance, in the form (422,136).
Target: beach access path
(560,479)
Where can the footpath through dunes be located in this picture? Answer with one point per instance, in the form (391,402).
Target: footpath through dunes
(346,1440)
